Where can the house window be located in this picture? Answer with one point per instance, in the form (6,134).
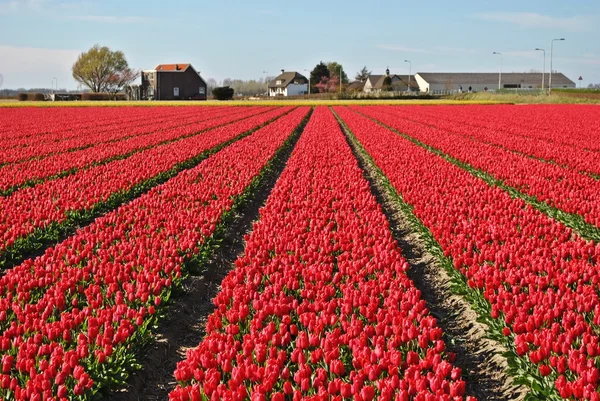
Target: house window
(175,91)
(279,82)
(202,90)
(151,91)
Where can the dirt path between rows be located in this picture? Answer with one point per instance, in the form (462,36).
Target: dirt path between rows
(484,367)
(184,326)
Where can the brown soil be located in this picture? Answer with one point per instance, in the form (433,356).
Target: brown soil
(480,358)
(184,326)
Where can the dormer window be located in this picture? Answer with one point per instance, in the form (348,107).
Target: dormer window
(279,81)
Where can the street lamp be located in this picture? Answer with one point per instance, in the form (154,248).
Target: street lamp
(267,76)
(551,49)
(544,68)
(308,80)
(500,75)
(409,72)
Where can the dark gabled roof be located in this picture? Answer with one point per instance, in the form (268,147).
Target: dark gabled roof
(287,78)
(403,79)
(373,79)
(356,86)
(483,78)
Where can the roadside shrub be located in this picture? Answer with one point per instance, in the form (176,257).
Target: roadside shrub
(223,93)
(22,97)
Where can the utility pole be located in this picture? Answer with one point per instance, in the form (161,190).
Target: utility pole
(551,51)
(544,68)
(499,75)
(409,72)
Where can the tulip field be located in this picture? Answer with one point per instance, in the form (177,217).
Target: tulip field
(106,213)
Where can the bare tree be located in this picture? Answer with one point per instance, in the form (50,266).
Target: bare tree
(103,70)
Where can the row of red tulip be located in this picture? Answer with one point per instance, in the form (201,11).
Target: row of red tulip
(559,187)
(446,119)
(559,124)
(58,123)
(32,170)
(76,196)
(70,319)
(319,307)
(541,280)
(36,148)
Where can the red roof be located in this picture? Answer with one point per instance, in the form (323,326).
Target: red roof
(172,67)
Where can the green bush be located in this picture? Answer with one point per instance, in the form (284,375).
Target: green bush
(223,93)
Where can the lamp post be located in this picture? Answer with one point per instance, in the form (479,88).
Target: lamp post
(551,51)
(306,69)
(267,76)
(499,75)
(544,68)
(409,72)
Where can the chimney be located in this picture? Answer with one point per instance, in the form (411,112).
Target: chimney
(177,67)
(282,70)
(387,72)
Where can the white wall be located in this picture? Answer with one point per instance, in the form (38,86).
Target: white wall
(291,90)
(294,89)
(423,85)
(277,92)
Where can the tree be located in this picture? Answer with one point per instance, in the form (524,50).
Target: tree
(223,93)
(327,84)
(334,71)
(387,84)
(211,84)
(317,74)
(103,70)
(594,86)
(363,74)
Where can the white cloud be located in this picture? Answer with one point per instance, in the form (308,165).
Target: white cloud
(8,7)
(535,20)
(34,67)
(14,6)
(111,19)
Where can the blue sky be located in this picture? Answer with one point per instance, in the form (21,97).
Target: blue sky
(40,39)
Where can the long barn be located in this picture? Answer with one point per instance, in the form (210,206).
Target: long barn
(432,82)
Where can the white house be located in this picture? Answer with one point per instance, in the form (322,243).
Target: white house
(436,82)
(289,83)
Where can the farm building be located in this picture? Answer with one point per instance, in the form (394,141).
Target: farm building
(289,83)
(375,83)
(432,82)
(173,82)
